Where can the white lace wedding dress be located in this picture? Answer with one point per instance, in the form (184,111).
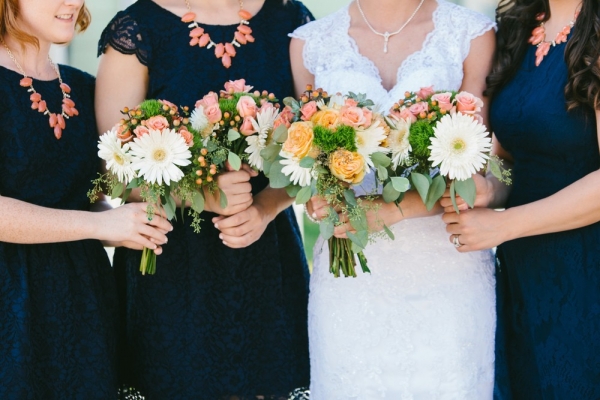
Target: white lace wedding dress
(421,325)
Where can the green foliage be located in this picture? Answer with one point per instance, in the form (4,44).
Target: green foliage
(344,137)
(419,138)
(151,108)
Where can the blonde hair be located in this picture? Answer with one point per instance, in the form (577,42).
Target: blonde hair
(9,11)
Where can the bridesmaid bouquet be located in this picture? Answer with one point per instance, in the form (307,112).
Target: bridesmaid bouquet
(151,149)
(329,145)
(234,128)
(438,137)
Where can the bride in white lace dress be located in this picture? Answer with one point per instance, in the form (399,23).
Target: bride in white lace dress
(421,325)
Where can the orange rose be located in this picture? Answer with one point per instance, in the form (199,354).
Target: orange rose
(347,166)
(141,131)
(300,140)
(158,122)
(327,118)
(187,136)
(124,134)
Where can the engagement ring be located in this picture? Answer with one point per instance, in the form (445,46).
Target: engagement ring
(456,242)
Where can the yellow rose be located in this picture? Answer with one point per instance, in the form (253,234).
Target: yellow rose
(347,166)
(300,140)
(329,119)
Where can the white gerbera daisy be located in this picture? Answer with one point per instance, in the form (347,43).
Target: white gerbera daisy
(299,175)
(368,141)
(199,122)
(263,123)
(157,155)
(397,140)
(117,157)
(459,146)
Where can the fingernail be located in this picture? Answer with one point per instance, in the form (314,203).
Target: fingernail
(225,243)
(166,240)
(171,228)
(221,236)
(217,226)
(314,215)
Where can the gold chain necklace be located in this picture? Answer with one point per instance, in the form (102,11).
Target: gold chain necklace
(57,121)
(224,51)
(387,35)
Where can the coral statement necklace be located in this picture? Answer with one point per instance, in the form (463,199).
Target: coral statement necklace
(538,37)
(224,51)
(57,121)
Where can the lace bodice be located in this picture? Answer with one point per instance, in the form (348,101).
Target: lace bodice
(332,56)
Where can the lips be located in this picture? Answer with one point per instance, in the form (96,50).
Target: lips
(65,17)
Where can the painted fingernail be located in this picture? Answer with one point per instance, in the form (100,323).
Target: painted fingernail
(221,236)
(217,226)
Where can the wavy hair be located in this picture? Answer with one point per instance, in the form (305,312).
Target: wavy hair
(516,20)
(9,25)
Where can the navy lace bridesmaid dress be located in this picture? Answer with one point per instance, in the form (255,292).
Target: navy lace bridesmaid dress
(214,322)
(58,310)
(548,286)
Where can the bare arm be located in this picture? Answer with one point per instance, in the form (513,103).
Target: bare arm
(573,207)
(301,75)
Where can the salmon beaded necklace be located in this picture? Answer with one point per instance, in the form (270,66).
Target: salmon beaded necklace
(224,51)
(538,37)
(57,121)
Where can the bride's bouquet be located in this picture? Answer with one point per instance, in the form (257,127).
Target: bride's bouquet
(438,137)
(150,149)
(233,127)
(329,146)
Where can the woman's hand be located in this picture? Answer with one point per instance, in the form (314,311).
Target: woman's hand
(476,229)
(238,190)
(129,226)
(482,196)
(379,214)
(317,208)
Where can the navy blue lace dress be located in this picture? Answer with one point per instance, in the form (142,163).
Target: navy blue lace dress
(548,286)
(215,322)
(58,310)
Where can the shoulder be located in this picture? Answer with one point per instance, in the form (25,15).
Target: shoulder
(469,22)
(292,12)
(320,27)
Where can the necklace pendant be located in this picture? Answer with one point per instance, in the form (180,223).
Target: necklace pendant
(386,38)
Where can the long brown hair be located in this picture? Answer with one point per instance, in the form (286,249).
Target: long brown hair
(9,11)
(516,20)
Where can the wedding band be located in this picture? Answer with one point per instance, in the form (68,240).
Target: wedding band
(456,242)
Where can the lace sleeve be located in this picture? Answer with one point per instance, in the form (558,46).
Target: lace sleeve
(124,35)
(304,14)
(312,35)
(474,25)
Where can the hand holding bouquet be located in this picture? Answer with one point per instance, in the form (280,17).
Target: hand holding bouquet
(438,137)
(329,146)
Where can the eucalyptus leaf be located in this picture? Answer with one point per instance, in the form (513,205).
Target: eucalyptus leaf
(421,183)
(280,134)
(293,190)
(135,182)
(277,179)
(467,190)
(211,146)
(304,195)
(198,202)
(233,135)
(222,199)
(360,223)
(234,160)
(436,191)
(380,159)
(389,193)
(400,183)
(117,190)
(267,167)
(125,195)
(169,206)
(382,173)
(389,232)
(307,162)
(360,238)
(270,152)
(326,228)
(453,197)
(350,197)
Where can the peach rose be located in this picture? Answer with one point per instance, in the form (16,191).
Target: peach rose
(141,131)
(444,100)
(213,113)
(351,103)
(406,115)
(466,103)
(266,106)
(352,116)
(300,140)
(238,86)
(187,136)
(246,107)
(368,117)
(284,118)
(158,122)
(247,129)
(418,108)
(308,110)
(123,133)
(329,119)
(425,92)
(347,166)
(168,104)
(208,100)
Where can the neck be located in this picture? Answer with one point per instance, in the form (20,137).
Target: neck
(388,15)
(563,8)
(34,61)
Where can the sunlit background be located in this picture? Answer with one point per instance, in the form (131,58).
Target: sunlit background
(81,53)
